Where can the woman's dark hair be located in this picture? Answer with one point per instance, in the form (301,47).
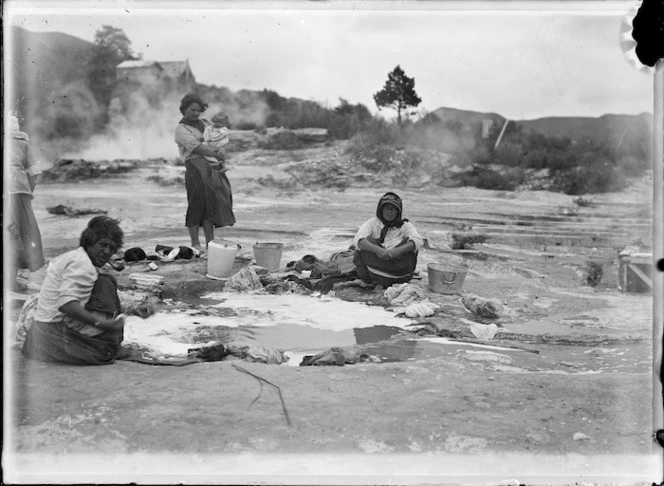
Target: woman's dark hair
(190,99)
(102,227)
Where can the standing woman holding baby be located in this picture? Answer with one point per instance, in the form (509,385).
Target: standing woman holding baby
(210,200)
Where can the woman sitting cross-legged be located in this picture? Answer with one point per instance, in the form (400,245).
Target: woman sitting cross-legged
(78,318)
(386,245)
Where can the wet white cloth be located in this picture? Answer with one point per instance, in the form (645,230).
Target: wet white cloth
(246,280)
(403,294)
(420,309)
(482,331)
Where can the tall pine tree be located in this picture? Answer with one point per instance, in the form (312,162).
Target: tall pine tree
(398,93)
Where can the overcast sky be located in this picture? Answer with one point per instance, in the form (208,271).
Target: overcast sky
(521,60)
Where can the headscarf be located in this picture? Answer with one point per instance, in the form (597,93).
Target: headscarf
(394,200)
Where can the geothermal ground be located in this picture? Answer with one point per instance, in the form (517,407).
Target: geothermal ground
(564,394)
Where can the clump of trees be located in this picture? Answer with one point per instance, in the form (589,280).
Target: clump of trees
(111,47)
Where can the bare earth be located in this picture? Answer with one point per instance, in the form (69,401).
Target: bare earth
(444,412)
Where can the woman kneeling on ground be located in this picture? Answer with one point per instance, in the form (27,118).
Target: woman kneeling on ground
(78,318)
(386,246)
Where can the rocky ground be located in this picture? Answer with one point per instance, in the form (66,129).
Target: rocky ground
(562,392)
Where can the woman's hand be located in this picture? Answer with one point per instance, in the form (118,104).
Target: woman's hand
(220,154)
(116,324)
(383,254)
(141,310)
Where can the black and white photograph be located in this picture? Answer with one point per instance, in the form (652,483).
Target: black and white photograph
(333,242)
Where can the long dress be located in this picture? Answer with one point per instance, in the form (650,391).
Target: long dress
(209,193)
(23,233)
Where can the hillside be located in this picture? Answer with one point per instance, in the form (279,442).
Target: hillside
(603,128)
(613,128)
(466,117)
(45,61)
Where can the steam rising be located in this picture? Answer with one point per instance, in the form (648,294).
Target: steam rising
(142,122)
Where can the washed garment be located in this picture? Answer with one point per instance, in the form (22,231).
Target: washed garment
(246,280)
(26,317)
(135,254)
(420,309)
(490,308)
(326,284)
(258,354)
(403,294)
(334,357)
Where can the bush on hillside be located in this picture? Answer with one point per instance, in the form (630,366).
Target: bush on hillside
(486,178)
(589,180)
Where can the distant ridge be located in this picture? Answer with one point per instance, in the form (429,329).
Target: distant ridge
(609,127)
(43,61)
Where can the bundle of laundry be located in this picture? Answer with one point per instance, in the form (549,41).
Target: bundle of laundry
(421,309)
(336,357)
(490,308)
(403,294)
(161,253)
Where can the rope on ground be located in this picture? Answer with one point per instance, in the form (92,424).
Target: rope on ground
(261,381)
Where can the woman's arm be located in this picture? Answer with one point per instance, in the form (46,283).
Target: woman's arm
(75,310)
(401,249)
(365,244)
(206,150)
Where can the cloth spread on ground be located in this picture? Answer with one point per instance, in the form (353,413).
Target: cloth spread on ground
(403,294)
(325,273)
(335,357)
(69,211)
(210,352)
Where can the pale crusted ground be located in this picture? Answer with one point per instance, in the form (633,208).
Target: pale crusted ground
(450,411)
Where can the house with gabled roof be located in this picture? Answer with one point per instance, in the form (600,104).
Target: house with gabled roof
(149,72)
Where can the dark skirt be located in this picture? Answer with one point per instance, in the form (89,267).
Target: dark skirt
(372,269)
(25,242)
(49,341)
(208,193)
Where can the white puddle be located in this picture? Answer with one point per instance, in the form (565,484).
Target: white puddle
(322,312)
(294,323)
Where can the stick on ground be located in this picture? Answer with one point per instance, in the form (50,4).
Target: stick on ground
(261,381)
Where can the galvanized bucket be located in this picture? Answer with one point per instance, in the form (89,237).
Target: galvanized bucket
(445,278)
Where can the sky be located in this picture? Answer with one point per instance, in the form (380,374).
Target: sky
(519,59)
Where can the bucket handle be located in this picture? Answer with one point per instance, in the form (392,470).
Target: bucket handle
(449,282)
